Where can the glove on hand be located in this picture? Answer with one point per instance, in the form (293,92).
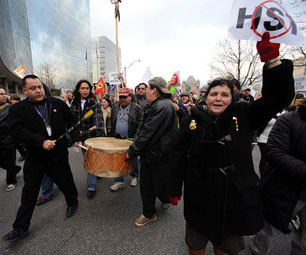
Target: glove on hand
(266,49)
(174,200)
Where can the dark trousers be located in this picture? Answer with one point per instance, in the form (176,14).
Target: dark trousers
(60,173)
(152,185)
(8,162)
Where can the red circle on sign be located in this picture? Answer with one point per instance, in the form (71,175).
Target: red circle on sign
(262,4)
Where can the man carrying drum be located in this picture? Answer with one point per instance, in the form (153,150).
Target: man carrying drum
(153,144)
(126,118)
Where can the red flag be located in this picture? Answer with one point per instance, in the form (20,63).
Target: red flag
(86,55)
(100,87)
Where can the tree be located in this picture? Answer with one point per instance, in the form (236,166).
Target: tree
(298,54)
(47,74)
(237,59)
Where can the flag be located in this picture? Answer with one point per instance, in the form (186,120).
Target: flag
(100,87)
(175,80)
(97,53)
(147,75)
(86,55)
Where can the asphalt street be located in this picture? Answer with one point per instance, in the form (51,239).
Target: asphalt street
(104,225)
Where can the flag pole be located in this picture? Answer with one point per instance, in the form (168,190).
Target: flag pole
(117,17)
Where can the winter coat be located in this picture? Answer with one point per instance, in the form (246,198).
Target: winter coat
(141,101)
(27,127)
(286,153)
(155,138)
(214,161)
(5,139)
(135,119)
(95,120)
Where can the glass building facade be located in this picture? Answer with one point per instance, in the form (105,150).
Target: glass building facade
(50,38)
(104,58)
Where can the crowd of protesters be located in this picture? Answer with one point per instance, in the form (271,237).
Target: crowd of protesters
(210,166)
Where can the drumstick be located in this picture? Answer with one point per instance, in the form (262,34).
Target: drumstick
(93,128)
(86,116)
(83,147)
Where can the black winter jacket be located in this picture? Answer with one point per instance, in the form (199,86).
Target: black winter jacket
(135,119)
(214,161)
(5,139)
(286,152)
(27,127)
(155,138)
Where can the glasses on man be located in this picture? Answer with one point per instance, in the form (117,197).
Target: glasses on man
(122,97)
(141,88)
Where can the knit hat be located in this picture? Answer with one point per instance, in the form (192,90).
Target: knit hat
(185,93)
(160,83)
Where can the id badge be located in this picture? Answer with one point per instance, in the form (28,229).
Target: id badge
(49,130)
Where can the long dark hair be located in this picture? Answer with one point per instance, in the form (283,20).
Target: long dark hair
(76,93)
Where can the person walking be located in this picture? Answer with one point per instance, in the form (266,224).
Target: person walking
(153,144)
(7,145)
(83,101)
(38,122)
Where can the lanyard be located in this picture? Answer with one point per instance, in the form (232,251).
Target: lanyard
(44,114)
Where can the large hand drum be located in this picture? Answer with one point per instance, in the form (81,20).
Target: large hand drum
(106,156)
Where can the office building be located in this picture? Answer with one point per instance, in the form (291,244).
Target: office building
(48,38)
(104,58)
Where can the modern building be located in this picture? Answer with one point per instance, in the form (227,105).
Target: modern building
(104,58)
(48,38)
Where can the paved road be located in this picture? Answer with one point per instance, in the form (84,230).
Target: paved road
(104,225)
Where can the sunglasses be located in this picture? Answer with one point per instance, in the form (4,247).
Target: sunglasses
(141,88)
(122,97)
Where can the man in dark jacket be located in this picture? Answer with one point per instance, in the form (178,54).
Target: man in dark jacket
(153,145)
(141,96)
(126,118)
(285,184)
(7,145)
(37,122)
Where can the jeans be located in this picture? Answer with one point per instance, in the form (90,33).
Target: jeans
(47,189)
(91,182)
(134,174)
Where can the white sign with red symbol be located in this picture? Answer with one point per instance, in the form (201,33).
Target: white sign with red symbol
(250,19)
(175,80)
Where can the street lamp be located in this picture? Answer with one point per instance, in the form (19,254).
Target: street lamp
(127,67)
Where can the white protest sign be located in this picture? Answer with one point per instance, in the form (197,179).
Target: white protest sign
(250,19)
(113,78)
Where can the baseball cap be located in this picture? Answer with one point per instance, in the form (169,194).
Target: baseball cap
(124,92)
(160,83)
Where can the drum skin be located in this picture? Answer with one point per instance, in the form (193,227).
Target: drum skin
(106,157)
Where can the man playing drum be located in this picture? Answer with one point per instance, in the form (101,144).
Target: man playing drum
(126,118)
(153,144)
(37,122)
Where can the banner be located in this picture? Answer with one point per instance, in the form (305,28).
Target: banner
(147,75)
(175,80)
(21,71)
(100,87)
(250,19)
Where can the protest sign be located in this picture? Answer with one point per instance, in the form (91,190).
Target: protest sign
(250,19)
(21,71)
(175,80)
